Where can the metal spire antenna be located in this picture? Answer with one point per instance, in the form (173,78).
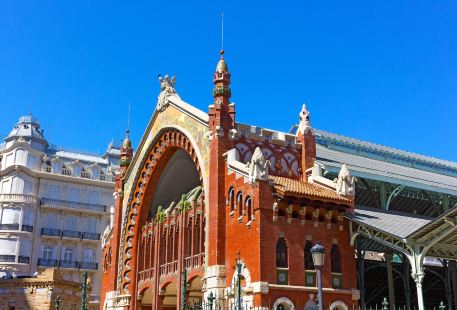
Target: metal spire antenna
(222,50)
(128,120)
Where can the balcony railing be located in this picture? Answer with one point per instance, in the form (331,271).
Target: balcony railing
(168,268)
(7,258)
(47,262)
(50,232)
(146,274)
(28,228)
(71,234)
(88,265)
(91,236)
(18,198)
(9,226)
(194,261)
(73,205)
(23,259)
(68,264)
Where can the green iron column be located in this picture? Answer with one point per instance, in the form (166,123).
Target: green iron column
(84,292)
(183,289)
(238,270)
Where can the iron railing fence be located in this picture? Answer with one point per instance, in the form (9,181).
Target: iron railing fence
(219,305)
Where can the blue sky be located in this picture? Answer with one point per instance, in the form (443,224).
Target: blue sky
(382,71)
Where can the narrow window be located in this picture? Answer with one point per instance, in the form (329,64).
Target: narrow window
(249,208)
(281,253)
(335,256)
(231,198)
(309,264)
(239,202)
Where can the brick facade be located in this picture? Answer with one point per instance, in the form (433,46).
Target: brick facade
(240,217)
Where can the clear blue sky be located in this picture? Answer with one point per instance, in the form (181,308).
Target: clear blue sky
(382,71)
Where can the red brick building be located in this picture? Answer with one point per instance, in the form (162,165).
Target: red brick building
(203,192)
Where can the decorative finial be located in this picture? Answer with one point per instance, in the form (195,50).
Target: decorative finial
(305,123)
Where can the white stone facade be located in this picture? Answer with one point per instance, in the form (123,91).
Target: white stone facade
(54,206)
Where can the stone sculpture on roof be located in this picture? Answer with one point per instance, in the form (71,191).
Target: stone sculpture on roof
(258,166)
(345,183)
(305,123)
(167,85)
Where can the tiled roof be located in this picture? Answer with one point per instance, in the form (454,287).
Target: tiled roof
(291,187)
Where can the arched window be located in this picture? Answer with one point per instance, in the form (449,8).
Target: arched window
(281,253)
(239,203)
(88,255)
(335,256)
(231,198)
(248,205)
(309,264)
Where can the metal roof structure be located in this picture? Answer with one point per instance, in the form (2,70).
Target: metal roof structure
(414,236)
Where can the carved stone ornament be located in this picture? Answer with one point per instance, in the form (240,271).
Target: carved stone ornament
(305,123)
(345,183)
(167,86)
(258,166)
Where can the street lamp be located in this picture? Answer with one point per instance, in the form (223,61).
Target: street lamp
(318,253)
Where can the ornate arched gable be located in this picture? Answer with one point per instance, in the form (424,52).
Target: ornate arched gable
(171,129)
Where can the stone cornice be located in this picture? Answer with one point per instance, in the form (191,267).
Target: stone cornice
(59,177)
(25,145)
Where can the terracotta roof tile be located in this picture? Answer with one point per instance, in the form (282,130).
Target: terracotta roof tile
(291,187)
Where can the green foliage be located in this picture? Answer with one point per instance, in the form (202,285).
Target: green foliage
(160,215)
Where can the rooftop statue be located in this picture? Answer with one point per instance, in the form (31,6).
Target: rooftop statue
(345,183)
(167,86)
(258,166)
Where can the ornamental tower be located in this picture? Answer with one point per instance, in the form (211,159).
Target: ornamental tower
(221,131)
(305,135)
(126,154)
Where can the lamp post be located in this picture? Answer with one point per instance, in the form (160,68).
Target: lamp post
(318,253)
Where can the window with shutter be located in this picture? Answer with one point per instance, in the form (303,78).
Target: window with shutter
(71,223)
(17,186)
(25,247)
(73,197)
(27,218)
(51,221)
(54,192)
(91,225)
(88,255)
(21,157)
(6,187)
(94,197)
(9,160)
(31,161)
(48,252)
(56,166)
(11,215)
(8,246)
(28,188)
(68,255)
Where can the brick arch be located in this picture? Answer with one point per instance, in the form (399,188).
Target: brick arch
(159,152)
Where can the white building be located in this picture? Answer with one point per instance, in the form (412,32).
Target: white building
(54,205)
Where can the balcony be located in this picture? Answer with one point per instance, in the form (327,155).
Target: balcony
(9,226)
(88,265)
(72,205)
(168,268)
(194,261)
(28,228)
(47,262)
(68,264)
(18,198)
(52,232)
(7,258)
(91,236)
(23,259)
(71,234)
